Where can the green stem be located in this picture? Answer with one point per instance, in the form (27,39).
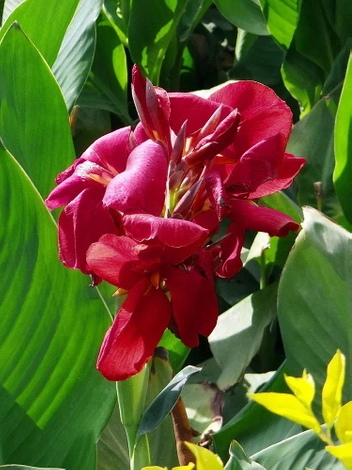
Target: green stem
(141,454)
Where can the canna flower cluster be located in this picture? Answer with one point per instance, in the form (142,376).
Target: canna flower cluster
(142,209)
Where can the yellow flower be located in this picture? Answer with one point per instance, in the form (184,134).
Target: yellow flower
(332,390)
(295,407)
(206,460)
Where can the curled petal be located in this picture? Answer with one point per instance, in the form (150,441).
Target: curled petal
(138,327)
(181,238)
(261,219)
(141,187)
(194,304)
(230,252)
(82,223)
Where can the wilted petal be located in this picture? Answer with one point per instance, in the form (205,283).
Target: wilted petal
(261,219)
(180,237)
(82,223)
(135,332)
(141,187)
(194,304)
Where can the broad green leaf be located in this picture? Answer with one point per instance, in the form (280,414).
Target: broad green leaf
(282,19)
(297,453)
(149,40)
(177,351)
(343,425)
(51,327)
(343,145)
(112,448)
(288,406)
(193,13)
(312,138)
(303,78)
(9,6)
(245,14)
(261,62)
(113,13)
(314,299)
(239,460)
(239,332)
(109,71)
(24,467)
(332,390)
(34,124)
(204,403)
(319,44)
(255,427)
(165,401)
(76,53)
(44,22)
(162,439)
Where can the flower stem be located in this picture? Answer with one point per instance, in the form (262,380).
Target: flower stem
(183,433)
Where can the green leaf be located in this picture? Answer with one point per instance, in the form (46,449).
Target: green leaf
(34,124)
(261,62)
(282,18)
(312,137)
(113,13)
(149,40)
(24,467)
(109,71)
(245,14)
(44,22)
(296,453)
(53,404)
(162,439)
(177,351)
(193,13)
(9,6)
(165,401)
(315,315)
(238,334)
(343,145)
(239,460)
(255,427)
(76,53)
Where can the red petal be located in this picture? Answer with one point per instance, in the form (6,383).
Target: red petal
(180,237)
(82,223)
(196,110)
(263,113)
(230,251)
(284,177)
(141,187)
(111,150)
(261,219)
(194,304)
(257,166)
(135,333)
(115,259)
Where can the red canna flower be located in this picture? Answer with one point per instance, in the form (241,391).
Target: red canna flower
(166,288)
(112,176)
